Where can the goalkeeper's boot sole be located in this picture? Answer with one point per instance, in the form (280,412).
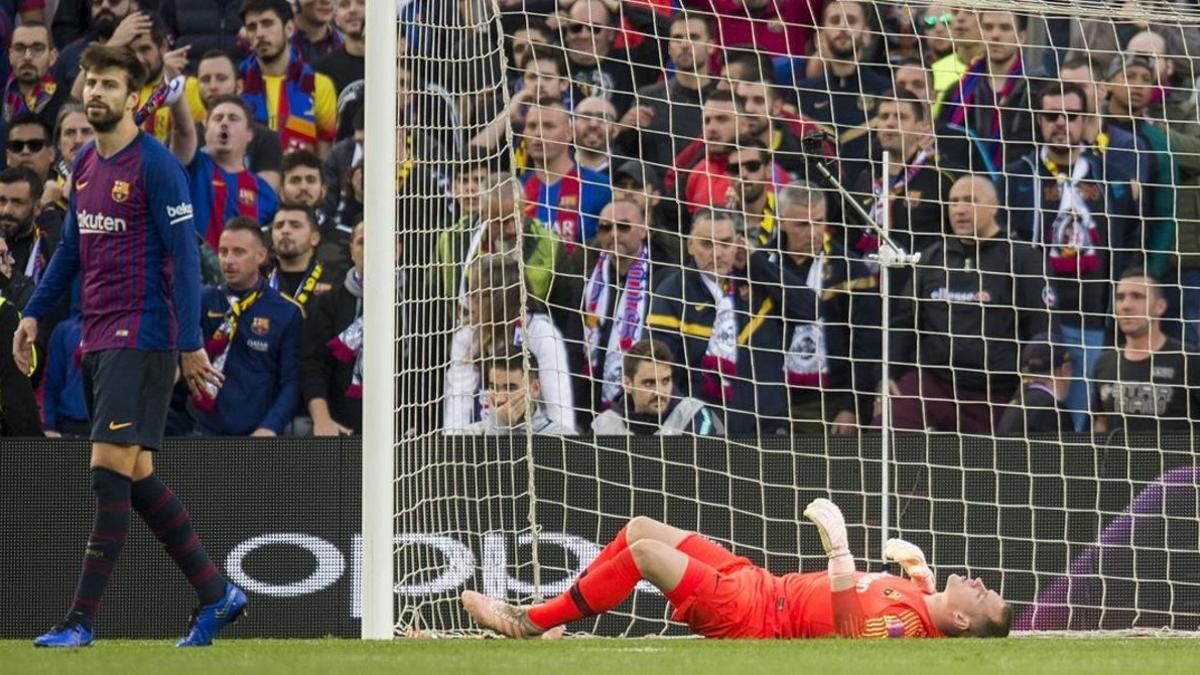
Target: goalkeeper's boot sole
(504,618)
(65,636)
(208,620)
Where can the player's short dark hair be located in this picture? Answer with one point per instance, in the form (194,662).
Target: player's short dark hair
(213,54)
(510,360)
(998,627)
(1062,89)
(23,174)
(300,158)
(282,9)
(309,212)
(29,119)
(1079,60)
(646,350)
(26,24)
(102,57)
(231,99)
(245,224)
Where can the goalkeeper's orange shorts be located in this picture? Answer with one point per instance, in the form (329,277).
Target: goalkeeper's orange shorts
(735,600)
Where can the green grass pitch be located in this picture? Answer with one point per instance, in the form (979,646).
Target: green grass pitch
(616,657)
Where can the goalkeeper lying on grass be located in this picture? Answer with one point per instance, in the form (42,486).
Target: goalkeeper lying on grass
(720,595)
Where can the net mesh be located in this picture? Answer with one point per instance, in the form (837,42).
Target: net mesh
(662,237)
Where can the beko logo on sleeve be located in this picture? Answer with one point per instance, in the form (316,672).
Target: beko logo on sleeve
(179,212)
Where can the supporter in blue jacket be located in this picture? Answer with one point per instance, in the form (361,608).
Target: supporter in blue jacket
(252,334)
(63,407)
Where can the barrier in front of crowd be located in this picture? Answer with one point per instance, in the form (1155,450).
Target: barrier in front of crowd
(281,518)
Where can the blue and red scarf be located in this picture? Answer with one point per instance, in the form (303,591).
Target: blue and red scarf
(962,97)
(295,120)
(16,103)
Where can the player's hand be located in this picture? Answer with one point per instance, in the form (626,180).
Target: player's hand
(129,29)
(199,373)
(263,432)
(23,340)
(911,559)
(832,526)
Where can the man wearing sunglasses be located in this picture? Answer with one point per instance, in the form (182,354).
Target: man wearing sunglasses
(752,180)
(29,144)
(1083,221)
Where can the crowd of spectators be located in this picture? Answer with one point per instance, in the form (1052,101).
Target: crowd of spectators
(262,102)
(660,242)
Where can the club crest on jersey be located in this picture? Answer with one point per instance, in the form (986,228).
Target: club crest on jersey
(246,196)
(892,594)
(260,326)
(120,191)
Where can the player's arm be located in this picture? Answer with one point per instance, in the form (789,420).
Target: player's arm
(847,612)
(171,214)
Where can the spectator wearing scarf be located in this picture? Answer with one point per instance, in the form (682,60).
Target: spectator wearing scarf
(31,87)
(283,91)
(728,338)
(616,300)
(1059,198)
(497,319)
(991,103)
(253,337)
(329,352)
(830,362)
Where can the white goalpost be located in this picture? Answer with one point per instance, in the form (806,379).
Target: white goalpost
(379,398)
(536,176)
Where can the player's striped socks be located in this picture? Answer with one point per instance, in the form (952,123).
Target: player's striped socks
(109,531)
(606,586)
(168,518)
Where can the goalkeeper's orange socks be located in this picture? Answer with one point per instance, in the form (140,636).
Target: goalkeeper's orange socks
(602,588)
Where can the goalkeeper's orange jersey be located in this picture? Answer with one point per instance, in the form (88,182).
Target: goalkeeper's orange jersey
(879,605)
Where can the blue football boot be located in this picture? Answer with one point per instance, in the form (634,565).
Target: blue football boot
(208,620)
(65,635)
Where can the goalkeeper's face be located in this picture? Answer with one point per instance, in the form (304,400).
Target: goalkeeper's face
(973,605)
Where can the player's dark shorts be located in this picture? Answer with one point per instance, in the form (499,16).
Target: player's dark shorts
(127,393)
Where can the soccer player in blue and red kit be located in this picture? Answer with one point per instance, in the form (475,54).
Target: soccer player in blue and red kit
(720,595)
(129,234)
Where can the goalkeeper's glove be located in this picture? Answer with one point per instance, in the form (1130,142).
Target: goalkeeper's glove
(912,560)
(832,526)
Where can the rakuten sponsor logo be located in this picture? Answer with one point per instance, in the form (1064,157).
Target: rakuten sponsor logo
(99,223)
(448,565)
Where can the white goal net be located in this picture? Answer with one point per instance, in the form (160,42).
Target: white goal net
(706,260)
